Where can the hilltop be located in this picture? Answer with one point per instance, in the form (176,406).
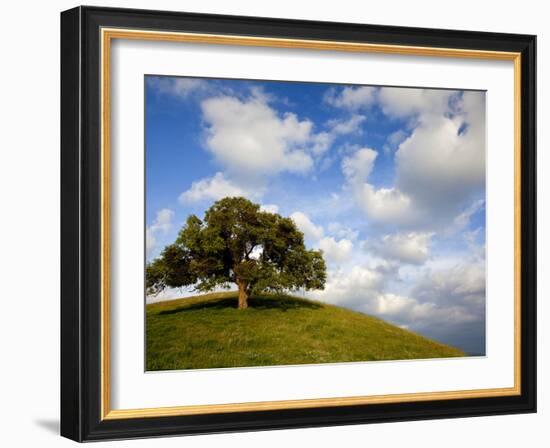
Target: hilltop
(207,331)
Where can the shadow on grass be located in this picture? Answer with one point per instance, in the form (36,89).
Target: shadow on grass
(259,303)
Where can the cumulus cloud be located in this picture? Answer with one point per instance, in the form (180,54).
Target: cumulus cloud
(462,286)
(393,140)
(336,251)
(150,242)
(396,306)
(269,208)
(453,301)
(440,166)
(350,126)
(161,225)
(253,142)
(475,249)
(409,247)
(336,127)
(442,163)
(404,102)
(365,288)
(177,293)
(306,226)
(357,167)
(356,287)
(178,87)
(446,304)
(413,200)
(384,204)
(462,220)
(212,189)
(163,220)
(250,138)
(342,231)
(352,98)
(445,300)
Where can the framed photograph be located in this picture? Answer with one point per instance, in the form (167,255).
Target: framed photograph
(273,223)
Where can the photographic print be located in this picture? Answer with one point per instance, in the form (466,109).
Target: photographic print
(303,204)
(294,223)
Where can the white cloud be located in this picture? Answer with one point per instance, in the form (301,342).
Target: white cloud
(322,141)
(462,220)
(442,299)
(475,249)
(451,299)
(163,220)
(409,247)
(250,138)
(394,139)
(150,241)
(259,93)
(439,167)
(392,304)
(269,208)
(310,230)
(161,224)
(383,204)
(355,287)
(403,309)
(404,102)
(387,205)
(443,161)
(212,188)
(448,297)
(352,98)
(437,186)
(456,294)
(179,293)
(349,126)
(357,168)
(179,87)
(336,251)
(342,231)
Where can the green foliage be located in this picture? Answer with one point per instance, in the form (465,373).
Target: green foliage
(208,332)
(238,243)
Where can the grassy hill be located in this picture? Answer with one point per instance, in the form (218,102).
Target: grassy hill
(208,331)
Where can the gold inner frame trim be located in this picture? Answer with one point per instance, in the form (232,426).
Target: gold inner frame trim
(107,35)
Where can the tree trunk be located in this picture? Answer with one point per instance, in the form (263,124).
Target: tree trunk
(243,294)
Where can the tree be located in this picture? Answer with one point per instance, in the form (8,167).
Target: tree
(238,243)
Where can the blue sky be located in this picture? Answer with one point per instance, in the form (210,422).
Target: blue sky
(389,182)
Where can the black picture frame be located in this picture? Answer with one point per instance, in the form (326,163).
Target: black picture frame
(81,224)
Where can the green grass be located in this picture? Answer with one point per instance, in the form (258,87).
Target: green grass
(209,332)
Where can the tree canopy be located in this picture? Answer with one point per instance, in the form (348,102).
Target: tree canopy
(238,243)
